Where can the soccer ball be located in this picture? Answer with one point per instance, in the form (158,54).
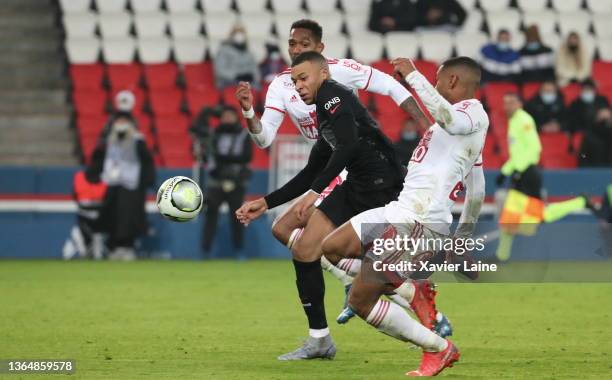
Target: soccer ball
(180,199)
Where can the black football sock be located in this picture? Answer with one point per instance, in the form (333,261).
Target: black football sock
(311,289)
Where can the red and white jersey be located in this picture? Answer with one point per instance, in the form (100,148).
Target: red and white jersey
(439,166)
(282,98)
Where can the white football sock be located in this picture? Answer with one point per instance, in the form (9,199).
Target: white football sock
(318,333)
(350,266)
(344,278)
(390,319)
(400,301)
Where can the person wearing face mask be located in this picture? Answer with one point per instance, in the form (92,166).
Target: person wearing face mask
(537,59)
(500,63)
(234,62)
(228,164)
(273,64)
(408,141)
(547,108)
(596,148)
(123,161)
(583,109)
(573,63)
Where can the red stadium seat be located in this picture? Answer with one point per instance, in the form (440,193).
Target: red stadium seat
(90,125)
(161,76)
(607,92)
(601,73)
(201,97)
(166,102)
(199,74)
(570,92)
(391,124)
(229,97)
(124,75)
(261,158)
(530,89)
(385,105)
(555,151)
(87,76)
(428,68)
(90,102)
(494,94)
(383,65)
(172,125)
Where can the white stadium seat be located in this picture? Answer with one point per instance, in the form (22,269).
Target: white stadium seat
(469,44)
(287,6)
(357,23)
(473,21)
(213,45)
(494,5)
(189,49)
(145,5)
(154,49)
(105,6)
(181,5)
(532,5)
(151,24)
(545,20)
(216,6)
(509,19)
(331,22)
(518,40)
(402,44)
(187,24)
(80,24)
(118,50)
(552,40)
(574,22)
(115,24)
(219,25)
(604,46)
(257,24)
(320,5)
(603,6)
(251,6)
(356,6)
(567,5)
(257,47)
(602,24)
(468,5)
(336,46)
(75,6)
(82,50)
(367,47)
(283,24)
(436,46)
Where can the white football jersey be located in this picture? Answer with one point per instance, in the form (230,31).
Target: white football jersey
(282,98)
(437,169)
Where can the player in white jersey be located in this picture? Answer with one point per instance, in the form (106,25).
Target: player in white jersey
(283,100)
(446,155)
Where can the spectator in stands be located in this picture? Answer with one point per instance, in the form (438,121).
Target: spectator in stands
(408,141)
(272,64)
(548,108)
(537,59)
(229,158)
(123,107)
(123,161)
(440,14)
(582,111)
(596,149)
(573,61)
(234,62)
(500,63)
(392,15)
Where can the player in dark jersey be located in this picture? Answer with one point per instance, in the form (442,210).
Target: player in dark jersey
(348,138)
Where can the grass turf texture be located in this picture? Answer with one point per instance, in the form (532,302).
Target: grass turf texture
(229,320)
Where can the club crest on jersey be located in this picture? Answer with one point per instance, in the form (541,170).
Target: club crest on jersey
(330,103)
(293,99)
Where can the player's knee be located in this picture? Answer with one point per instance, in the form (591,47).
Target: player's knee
(281,231)
(305,251)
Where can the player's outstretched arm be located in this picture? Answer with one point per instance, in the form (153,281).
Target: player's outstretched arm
(262,131)
(474,198)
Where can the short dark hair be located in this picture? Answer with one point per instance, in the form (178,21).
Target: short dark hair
(313,26)
(589,82)
(309,56)
(503,30)
(464,62)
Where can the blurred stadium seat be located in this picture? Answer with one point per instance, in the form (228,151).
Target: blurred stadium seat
(251,6)
(185,24)
(436,46)
(107,6)
(180,5)
(189,49)
(532,5)
(567,5)
(469,44)
(78,25)
(139,6)
(574,21)
(494,5)
(216,6)
(219,25)
(166,102)
(546,20)
(86,76)
(118,50)
(124,75)
(367,48)
(83,50)
(90,102)
(74,6)
(599,6)
(154,49)
(402,44)
(117,24)
(288,6)
(151,24)
(509,19)
(161,76)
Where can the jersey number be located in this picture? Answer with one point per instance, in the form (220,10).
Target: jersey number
(421,150)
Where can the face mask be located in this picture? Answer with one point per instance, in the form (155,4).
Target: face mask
(239,38)
(572,48)
(409,135)
(274,55)
(503,46)
(548,97)
(587,96)
(533,45)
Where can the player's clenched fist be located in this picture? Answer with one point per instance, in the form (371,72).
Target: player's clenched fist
(403,66)
(251,211)
(244,95)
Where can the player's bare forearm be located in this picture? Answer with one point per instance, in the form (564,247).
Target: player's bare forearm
(411,107)
(254,125)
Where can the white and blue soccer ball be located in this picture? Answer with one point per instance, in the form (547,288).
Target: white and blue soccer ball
(180,199)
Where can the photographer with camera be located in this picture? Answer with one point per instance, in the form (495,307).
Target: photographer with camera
(228,153)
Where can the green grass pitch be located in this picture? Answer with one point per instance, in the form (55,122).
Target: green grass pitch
(229,320)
